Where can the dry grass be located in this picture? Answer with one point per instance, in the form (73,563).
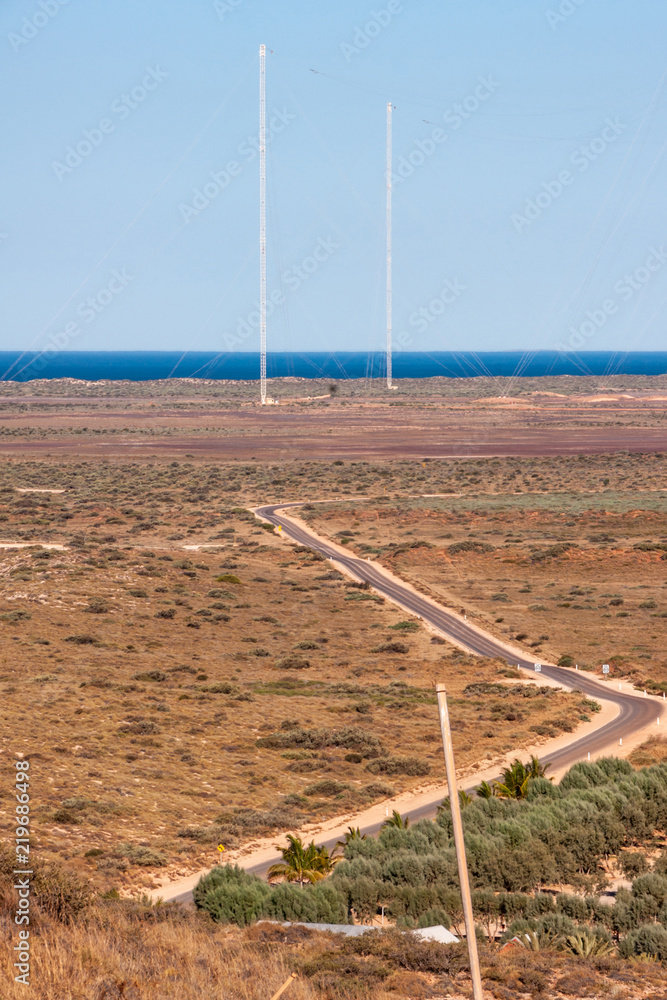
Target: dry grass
(653,751)
(130,952)
(561,574)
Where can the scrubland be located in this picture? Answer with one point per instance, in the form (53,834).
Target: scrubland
(161,651)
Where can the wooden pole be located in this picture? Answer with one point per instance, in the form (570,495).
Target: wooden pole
(459,842)
(284,986)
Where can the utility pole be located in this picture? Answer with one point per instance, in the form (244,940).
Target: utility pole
(262,223)
(389,261)
(459,842)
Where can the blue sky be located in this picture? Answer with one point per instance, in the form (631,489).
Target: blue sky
(529,201)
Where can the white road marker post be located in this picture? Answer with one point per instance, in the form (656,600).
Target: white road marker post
(459,842)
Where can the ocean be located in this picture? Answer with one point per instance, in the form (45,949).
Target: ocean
(138,366)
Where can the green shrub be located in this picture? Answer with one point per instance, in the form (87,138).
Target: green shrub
(144,857)
(348,738)
(433,918)
(327,787)
(231,896)
(391,647)
(412,766)
(650,939)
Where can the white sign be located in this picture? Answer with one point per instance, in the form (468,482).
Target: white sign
(605,668)
(538,667)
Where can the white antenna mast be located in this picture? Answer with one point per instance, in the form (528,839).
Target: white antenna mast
(262,222)
(389,289)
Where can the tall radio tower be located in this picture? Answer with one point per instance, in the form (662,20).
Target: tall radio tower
(262,222)
(389,289)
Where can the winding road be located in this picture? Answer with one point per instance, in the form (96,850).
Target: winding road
(634,711)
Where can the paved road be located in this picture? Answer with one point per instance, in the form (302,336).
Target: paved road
(635,712)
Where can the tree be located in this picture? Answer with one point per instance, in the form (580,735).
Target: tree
(486,791)
(302,864)
(464,801)
(517,777)
(352,833)
(397,820)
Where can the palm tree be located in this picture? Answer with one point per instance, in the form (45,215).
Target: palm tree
(486,791)
(464,800)
(301,864)
(517,777)
(397,820)
(353,833)
(324,861)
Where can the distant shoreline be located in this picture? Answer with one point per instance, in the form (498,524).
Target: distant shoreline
(144,366)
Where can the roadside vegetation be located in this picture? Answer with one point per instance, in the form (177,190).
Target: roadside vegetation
(539,857)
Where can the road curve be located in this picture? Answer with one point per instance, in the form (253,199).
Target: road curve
(634,711)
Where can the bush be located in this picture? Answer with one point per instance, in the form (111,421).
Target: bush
(292,662)
(651,939)
(566,661)
(166,613)
(321,903)
(150,675)
(227,578)
(138,728)
(433,918)
(348,738)
(413,766)
(97,606)
(391,647)
(469,546)
(231,896)
(327,787)
(144,857)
